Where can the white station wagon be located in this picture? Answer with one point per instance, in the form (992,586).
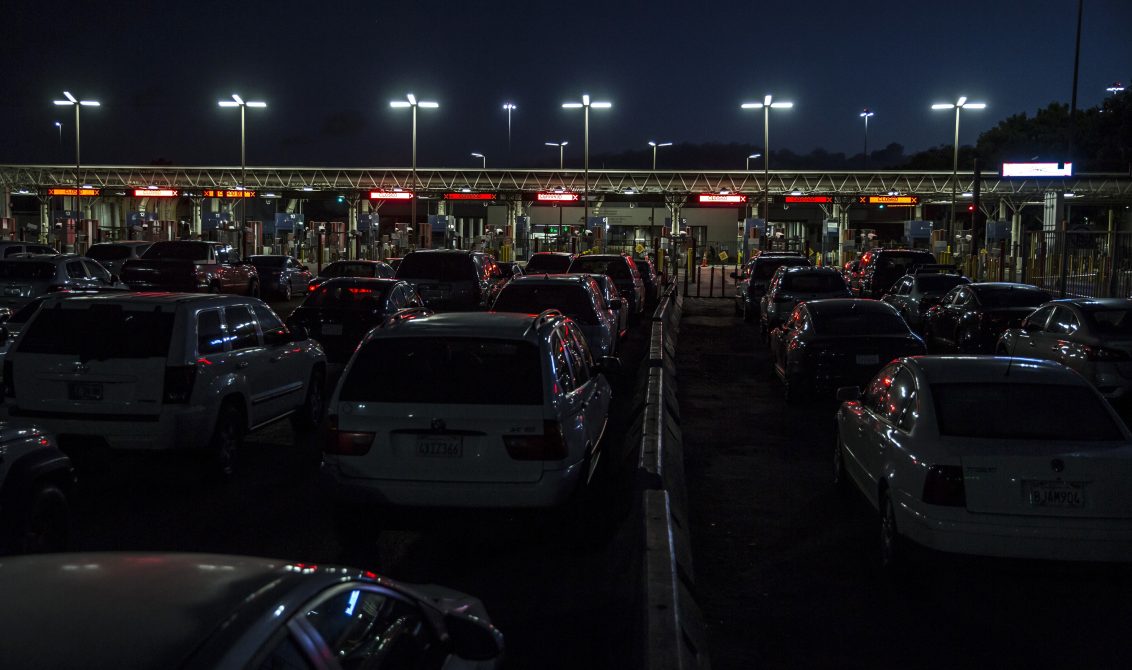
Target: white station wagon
(418,418)
(153,371)
(991,456)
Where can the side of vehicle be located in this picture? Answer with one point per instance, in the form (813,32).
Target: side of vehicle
(791,285)
(449,279)
(113,255)
(28,277)
(13,247)
(623,271)
(165,371)
(37,487)
(971,317)
(758,274)
(577,296)
(914,294)
(191,266)
(880,268)
(614,301)
(281,276)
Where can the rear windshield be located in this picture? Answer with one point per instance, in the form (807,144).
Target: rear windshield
(805,282)
(1012,297)
(441,267)
(99,332)
(940,282)
(443,370)
(1023,412)
(268,261)
(350,270)
(548,263)
(26,271)
(888,262)
(860,323)
(765,268)
(1106,321)
(193,251)
(108,252)
(614,267)
(347,296)
(573,301)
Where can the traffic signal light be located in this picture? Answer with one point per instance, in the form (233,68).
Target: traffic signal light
(971,208)
(341,199)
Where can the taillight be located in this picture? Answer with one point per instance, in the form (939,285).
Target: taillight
(345,443)
(55,288)
(1105,354)
(550,446)
(784,299)
(944,486)
(9,380)
(178,386)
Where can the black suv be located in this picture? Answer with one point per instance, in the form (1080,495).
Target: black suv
(880,268)
(452,279)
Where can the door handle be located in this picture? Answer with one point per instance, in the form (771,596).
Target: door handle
(241,365)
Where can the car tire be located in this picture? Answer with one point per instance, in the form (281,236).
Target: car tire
(253,289)
(227,437)
(840,476)
(44,522)
(895,552)
(309,415)
(286,294)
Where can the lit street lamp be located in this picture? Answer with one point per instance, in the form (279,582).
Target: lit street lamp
(655,146)
(865,114)
(475,155)
(585,105)
(958,105)
(77,104)
(1116,87)
(748,168)
(60,127)
(561,148)
(411,101)
(237,101)
(509,107)
(766,105)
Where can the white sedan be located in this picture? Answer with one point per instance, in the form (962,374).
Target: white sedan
(988,456)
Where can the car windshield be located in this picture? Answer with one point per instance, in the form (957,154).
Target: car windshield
(121,333)
(938,283)
(24,313)
(531,299)
(19,270)
(1012,297)
(547,263)
(191,251)
(273,262)
(347,296)
(350,270)
(614,267)
(444,371)
(903,262)
(859,323)
(806,282)
(765,268)
(108,252)
(438,266)
(1018,412)
(1107,321)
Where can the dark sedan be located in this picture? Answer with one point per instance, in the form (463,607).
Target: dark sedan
(281,276)
(826,344)
(342,310)
(357,268)
(970,318)
(913,295)
(214,611)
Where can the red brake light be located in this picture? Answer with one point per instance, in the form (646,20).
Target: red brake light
(944,486)
(550,446)
(345,443)
(56,288)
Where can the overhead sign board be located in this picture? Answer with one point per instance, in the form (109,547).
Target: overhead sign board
(227,193)
(1037,169)
(390,195)
(469,196)
(890,200)
(807,199)
(156,193)
(73,191)
(556,196)
(721,199)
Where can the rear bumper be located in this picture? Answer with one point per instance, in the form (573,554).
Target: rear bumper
(958,531)
(172,429)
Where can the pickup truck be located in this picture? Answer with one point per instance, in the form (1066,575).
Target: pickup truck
(191,266)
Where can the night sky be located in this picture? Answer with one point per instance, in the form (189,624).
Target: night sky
(673,71)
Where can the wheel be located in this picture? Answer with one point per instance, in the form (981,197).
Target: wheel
(285,293)
(309,415)
(894,550)
(840,476)
(44,524)
(253,289)
(227,437)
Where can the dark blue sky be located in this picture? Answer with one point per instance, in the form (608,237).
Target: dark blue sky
(674,72)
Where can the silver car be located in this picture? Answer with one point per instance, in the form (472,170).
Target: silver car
(29,276)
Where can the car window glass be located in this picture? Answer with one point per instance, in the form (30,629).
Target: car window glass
(1064,322)
(286,655)
(561,360)
(362,627)
(221,255)
(877,392)
(75,270)
(241,327)
(1038,319)
(210,333)
(94,269)
(269,321)
(396,299)
(962,297)
(580,356)
(12,250)
(901,405)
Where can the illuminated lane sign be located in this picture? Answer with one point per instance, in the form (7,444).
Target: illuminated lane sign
(804,199)
(226,193)
(554,196)
(890,200)
(73,191)
(390,195)
(1037,169)
(721,199)
(156,193)
(469,196)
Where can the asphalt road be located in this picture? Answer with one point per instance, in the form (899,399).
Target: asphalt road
(787,573)
(562,590)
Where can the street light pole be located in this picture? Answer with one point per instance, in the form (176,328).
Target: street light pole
(748,167)
(865,115)
(766,105)
(77,104)
(585,104)
(958,105)
(476,155)
(561,147)
(655,146)
(509,107)
(411,101)
(237,101)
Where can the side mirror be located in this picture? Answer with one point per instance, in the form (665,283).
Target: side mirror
(607,365)
(473,639)
(299,333)
(848,394)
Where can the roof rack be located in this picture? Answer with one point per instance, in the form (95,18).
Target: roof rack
(541,318)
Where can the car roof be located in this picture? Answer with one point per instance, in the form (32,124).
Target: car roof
(574,279)
(155,298)
(843,305)
(1094,304)
(385,282)
(122,243)
(810,269)
(357,261)
(492,325)
(165,606)
(990,369)
(552,253)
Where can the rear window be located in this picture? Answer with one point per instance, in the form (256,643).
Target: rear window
(1023,412)
(1103,321)
(548,263)
(441,267)
(108,252)
(26,271)
(192,251)
(765,268)
(1012,297)
(99,332)
(860,323)
(888,262)
(268,261)
(347,296)
(350,270)
(573,301)
(805,282)
(614,267)
(443,370)
(940,282)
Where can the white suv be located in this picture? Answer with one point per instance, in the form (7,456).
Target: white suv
(415,420)
(154,371)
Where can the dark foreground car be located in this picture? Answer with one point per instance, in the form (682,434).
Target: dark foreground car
(216,611)
(452,279)
(280,275)
(970,318)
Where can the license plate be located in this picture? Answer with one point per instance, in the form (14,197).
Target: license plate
(1062,495)
(331,329)
(868,359)
(440,446)
(84,391)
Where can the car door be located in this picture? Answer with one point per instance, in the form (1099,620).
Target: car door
(591,392)
(942,321)
(248,360)
(286,366)
(300,277)
(1058,339)
(1030,339)
(899,297)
